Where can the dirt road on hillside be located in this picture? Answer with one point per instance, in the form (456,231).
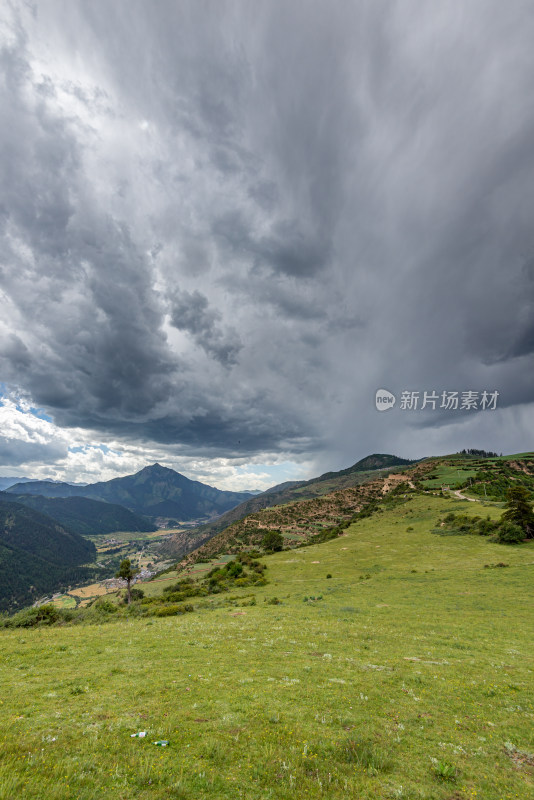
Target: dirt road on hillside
(463,497)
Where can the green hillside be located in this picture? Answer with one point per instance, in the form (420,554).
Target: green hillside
(406,674)
(324,515)
(37,555)
(298,522)
(365,470)
(87,517)
(483,477)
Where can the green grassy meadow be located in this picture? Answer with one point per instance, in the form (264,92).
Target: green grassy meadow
(408,674)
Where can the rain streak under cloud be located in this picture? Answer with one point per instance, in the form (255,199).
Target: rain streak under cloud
(225,225)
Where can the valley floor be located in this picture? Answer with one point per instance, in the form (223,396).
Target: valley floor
(407,674)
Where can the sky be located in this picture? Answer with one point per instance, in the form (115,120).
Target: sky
(225,225)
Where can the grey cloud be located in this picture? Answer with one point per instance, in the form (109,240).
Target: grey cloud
(15,351)
(524,344)
(342,196)
(191,313)
(287,249)
(265,193)
(75,274)
(292,252)
(14,452)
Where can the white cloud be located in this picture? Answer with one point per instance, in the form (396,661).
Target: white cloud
(38,448)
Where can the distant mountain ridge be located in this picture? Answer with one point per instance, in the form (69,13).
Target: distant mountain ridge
(5,483)
(86,516)
(154,491)
(372,462)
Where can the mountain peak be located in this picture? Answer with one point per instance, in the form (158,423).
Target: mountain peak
(156,468)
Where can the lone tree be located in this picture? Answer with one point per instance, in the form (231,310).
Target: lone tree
(126,572)
(273,540)
(519,510)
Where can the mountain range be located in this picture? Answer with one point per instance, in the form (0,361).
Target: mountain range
(5,483)
(153,492)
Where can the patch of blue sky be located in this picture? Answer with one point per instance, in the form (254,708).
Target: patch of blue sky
(85,448)
(39,413)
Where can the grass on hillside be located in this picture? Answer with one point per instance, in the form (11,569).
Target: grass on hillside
(408,674)
(449,475)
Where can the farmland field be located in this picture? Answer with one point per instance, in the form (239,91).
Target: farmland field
(93,590)
(407,674)
(452,476)
(65,601)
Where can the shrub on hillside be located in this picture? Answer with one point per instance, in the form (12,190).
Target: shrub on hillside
(459,524)
(47,614)
(169,610)
(273,541)
(326,534)
(510,533)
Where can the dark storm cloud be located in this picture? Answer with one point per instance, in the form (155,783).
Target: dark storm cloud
(13,349)
(93,345)
(226,224)
(287,249)
(191,313)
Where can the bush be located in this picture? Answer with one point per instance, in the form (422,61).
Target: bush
(173,597)
(464,523)
(47,614)
(234,569)
(486,527)
(510,533)
(105,606)
(273,541)
(170,610)
(326,534)
(135,594)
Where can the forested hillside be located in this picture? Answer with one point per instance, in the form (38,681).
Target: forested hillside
(87,517)
(37,555)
